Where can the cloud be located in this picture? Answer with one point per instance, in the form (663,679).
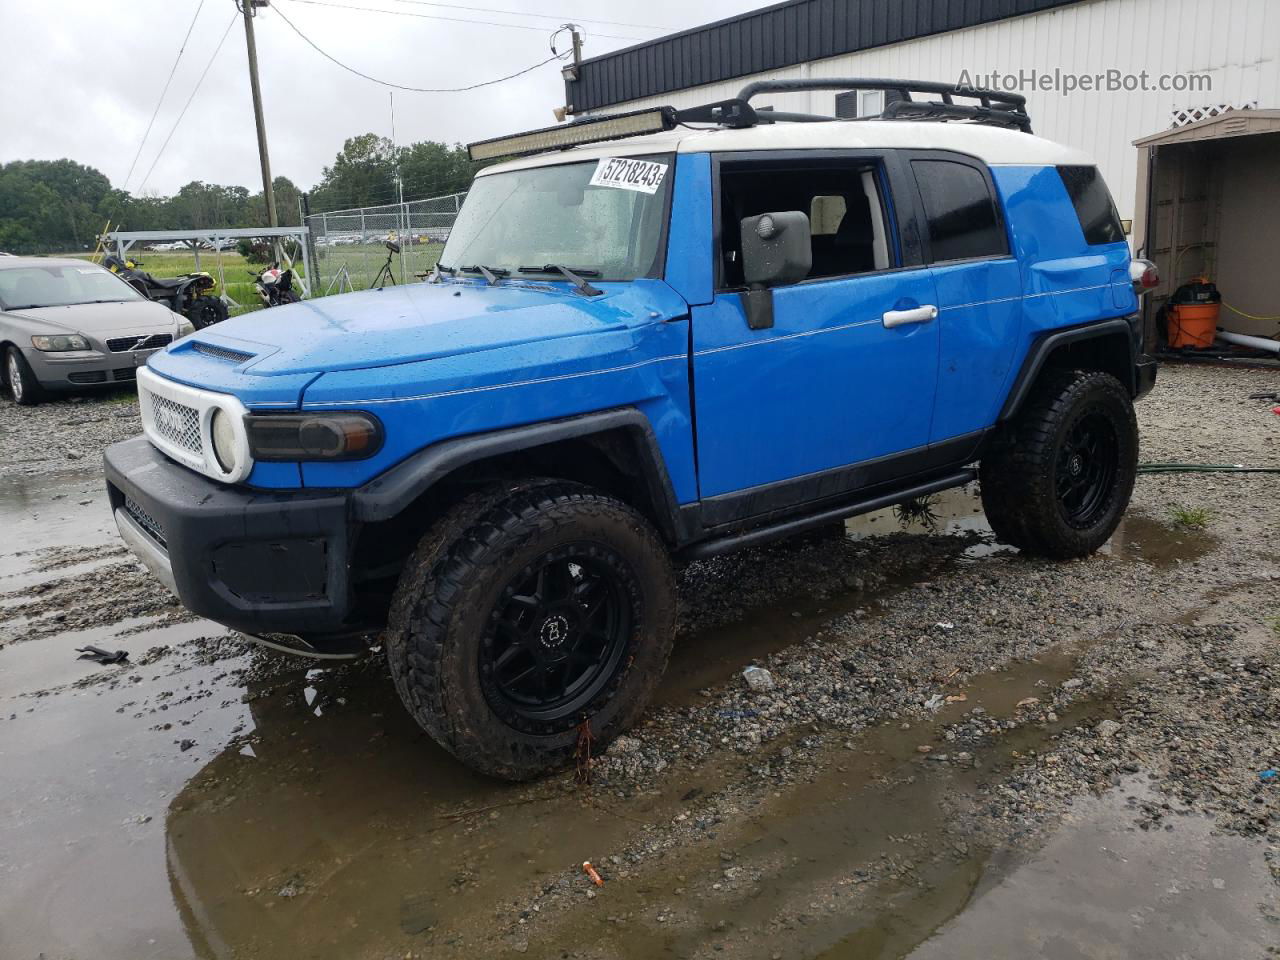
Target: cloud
(82,83)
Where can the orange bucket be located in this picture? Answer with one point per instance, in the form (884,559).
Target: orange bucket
(1193,325)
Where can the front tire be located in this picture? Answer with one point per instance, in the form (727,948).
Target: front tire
(24,388)
(1060,480)
(529,610)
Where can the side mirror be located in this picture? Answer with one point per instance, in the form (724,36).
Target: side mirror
(776,249)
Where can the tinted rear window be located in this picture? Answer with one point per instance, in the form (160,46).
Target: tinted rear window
(963,223)
(1092,200)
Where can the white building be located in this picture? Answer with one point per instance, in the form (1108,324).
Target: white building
(1207,55)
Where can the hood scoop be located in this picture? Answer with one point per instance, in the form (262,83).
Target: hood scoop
(222,353)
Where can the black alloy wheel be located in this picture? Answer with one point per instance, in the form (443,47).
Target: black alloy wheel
(1087,464)
(560,630)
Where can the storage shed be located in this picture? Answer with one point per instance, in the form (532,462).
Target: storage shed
(1212,209)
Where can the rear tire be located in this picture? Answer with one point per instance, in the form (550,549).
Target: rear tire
(24,388)
(206,311)
(529,609)
(1058,483)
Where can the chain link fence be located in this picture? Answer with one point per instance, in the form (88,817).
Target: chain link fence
(349,247)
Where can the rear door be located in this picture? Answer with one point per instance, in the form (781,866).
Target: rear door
(841,387)
(979,290)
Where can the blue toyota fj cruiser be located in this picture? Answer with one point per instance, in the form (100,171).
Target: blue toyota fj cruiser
(651,337)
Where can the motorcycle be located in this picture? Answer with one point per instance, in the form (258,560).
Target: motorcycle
(190,295)
(275,286)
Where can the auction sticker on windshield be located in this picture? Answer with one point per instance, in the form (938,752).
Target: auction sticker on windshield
(623,173)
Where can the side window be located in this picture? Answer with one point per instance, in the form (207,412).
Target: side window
(963,223)
(841,198)
(1092,200)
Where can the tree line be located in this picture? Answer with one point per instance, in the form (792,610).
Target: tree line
(61,205)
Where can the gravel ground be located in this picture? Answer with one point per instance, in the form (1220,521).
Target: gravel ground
(1153,667)
(63,434)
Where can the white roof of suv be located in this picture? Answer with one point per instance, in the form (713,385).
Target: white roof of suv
(991,144)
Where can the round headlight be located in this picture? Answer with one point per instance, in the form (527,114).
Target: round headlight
(224,441)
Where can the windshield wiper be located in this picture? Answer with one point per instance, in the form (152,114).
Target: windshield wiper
(437,272)
(573,276)
(490,275)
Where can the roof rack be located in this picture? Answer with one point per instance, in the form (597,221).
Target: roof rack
(991,107)
(996,109)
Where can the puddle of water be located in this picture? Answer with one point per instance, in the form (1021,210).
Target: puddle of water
(51,662)
(818,835)
(1099,887)
(47,511)
(861,863)
(312,817)
(1141,538)
(958,510)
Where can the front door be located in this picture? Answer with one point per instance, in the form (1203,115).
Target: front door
(846,376)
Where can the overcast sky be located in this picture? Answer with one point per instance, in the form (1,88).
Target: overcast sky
(80,78)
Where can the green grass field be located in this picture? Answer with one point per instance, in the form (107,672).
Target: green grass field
(234,269)
(362,262)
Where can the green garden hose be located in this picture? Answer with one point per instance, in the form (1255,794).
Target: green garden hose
(1202,468)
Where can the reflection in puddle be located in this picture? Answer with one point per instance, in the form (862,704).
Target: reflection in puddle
(1100,887)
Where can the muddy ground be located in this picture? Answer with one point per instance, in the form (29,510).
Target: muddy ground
(963,752)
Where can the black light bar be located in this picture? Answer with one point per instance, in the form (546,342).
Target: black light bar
(589,130)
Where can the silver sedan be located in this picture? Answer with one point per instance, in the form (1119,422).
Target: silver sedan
(70,324)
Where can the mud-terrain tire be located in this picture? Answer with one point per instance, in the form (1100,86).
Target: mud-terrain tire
(24,388)
(206,311)
(530,609)
(1058,481)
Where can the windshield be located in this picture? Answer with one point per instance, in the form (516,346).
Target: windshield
(59,285)
(603,219)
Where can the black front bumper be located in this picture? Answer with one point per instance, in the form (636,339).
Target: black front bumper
(255,561)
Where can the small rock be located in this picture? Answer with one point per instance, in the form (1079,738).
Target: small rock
(1074,683)
(624,746)
(758,679)
(1107,728)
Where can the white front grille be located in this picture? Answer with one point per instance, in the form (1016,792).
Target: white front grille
(177,419)
(177,423)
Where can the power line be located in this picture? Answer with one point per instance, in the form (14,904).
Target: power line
(396,86)
(155,113)
(434,16)
(519,13)
(195,90)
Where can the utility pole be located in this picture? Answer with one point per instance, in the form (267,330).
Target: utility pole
(247,7)
(570,72)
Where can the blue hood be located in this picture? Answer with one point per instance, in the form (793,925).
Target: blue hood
(425,321)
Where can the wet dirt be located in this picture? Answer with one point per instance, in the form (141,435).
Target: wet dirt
(242,807)
(209,800)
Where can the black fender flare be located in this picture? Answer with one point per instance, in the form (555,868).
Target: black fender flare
(384,497)
(1049,341)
